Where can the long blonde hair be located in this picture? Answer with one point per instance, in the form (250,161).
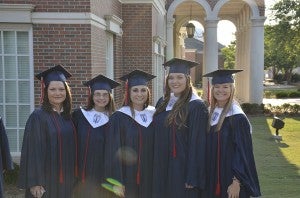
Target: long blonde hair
(179,113)
(226,108)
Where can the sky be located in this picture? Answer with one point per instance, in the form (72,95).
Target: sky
(226,29)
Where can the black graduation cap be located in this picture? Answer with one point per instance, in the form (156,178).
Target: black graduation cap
(137,77)
(178,65)
(221,76)
(101,82)
(56,73)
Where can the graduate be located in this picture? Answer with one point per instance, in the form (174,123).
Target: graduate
(131,137)
(231,170)
(5,157)
(48,157)
(180,123)
(91,123)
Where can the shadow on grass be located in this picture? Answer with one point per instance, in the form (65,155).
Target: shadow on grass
(277,162)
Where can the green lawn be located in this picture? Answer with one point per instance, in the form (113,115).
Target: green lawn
(278,163)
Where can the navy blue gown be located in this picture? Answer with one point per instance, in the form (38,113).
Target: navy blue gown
(5,157)
(91,145)
(130,158)
(179,154)
(48,156)
(236,158)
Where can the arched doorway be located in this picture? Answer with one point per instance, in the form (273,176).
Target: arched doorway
(248,17)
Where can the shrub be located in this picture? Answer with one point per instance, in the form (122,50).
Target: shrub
(279,78)
(294,94)
(295,78)
(11,176)
(252,108)
(282,94)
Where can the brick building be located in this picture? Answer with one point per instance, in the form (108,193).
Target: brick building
(88,37)
(113,37)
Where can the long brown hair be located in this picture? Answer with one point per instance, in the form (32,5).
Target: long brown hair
(109,108)
(130,104)
(179,113)
(226,108)
(67,103)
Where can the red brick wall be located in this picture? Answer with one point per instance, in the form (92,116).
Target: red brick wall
(54,5)
(118,64)
(137,37)
(98,49)
(69,45)
(106,7)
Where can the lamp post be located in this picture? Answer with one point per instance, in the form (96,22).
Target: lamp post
(190,27)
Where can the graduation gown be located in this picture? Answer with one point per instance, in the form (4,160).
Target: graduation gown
(92,127)
(236,155)
(130,148)
(179,154)
(5,157)
(48,155)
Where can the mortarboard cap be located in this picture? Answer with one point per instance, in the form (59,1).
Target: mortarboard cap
(221,76)
(137,77)
(180,65)
(56,73)
(101,82)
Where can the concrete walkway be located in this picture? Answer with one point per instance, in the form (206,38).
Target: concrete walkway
(278,102)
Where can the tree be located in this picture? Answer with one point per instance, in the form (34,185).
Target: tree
(282,40)
(228,54)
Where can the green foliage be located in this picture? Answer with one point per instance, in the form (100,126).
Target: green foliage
(282,94)
(295,78)
(282,41)
(294,94)
(229,56)
(11,176)
(285,109)
(278,78)
(252,108)
(261,109)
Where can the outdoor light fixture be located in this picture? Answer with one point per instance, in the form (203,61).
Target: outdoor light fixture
(190,27)
(277,124)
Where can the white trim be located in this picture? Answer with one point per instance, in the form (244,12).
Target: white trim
(176,3)
(158,4)
(68,18)
(252,4)
(16,7)
(15,13)
(113,24)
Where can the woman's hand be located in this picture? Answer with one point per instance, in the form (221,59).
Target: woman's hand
(37,191)
(233,190)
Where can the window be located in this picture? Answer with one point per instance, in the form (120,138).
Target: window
(16,94)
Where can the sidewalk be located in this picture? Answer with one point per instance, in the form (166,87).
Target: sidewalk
(278,102)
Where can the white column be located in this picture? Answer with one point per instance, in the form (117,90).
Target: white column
(170,44)
(211,46)
(257,61)
(210,54)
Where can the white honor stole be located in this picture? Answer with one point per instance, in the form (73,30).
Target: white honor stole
(95,118)
(234,110)
(143,117)
(173,100)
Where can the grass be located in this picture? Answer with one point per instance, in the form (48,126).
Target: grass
(278,162)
